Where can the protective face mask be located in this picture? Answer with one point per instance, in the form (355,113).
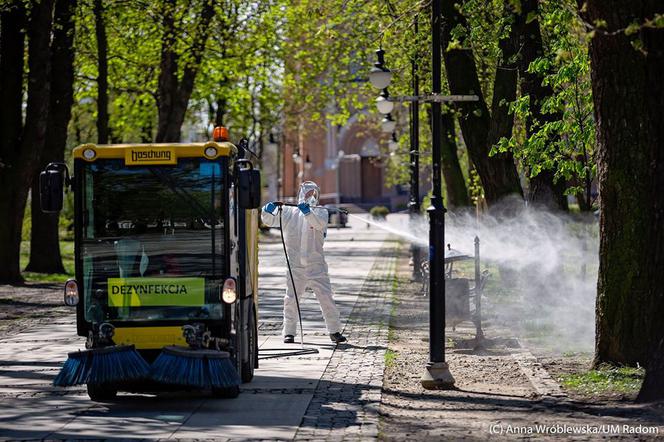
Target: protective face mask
(312,200)
(308,193)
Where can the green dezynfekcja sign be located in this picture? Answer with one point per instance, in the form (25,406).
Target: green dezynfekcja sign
(145,292)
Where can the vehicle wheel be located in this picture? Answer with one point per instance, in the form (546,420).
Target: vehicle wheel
(226,393)
(102,392)
(247,369)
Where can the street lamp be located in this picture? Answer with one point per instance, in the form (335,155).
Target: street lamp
(385,105)
(414,211)
(380,76)
(383,102)
(340,155)
(388,124)
(297,170)
(437,375)
(307,165)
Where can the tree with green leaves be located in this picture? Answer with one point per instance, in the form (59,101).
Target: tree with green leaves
(554,108)
(22,142)
(182,49)
(483,128)
(44,234)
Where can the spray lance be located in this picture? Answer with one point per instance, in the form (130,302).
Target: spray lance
(329,209)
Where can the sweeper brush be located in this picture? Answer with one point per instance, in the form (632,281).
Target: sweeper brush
(105,365)
(195,368)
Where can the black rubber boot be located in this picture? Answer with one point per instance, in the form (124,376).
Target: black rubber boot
(289,339)
(337,337)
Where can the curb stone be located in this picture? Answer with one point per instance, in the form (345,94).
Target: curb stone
(538,376)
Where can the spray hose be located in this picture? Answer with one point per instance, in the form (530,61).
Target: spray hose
(292,280)
(270,353)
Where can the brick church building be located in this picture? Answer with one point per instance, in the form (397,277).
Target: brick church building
(348,163)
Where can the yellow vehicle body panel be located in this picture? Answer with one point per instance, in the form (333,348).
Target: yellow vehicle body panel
(149,337)
(251,224)
(153,154)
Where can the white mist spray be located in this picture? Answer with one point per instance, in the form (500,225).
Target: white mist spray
(543,270)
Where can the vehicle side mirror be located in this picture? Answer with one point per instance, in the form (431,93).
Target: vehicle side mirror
(249,181)
(51,187)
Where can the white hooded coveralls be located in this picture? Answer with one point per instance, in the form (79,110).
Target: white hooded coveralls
(304,236)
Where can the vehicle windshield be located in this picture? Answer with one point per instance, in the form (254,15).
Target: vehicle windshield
(152,240)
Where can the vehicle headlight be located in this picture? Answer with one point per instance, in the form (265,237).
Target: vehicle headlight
(229,291)
(210,152)
(71,292)
(106,331)
(89,154)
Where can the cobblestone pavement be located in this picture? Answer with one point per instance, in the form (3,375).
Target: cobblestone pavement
(24,306)
(346,400)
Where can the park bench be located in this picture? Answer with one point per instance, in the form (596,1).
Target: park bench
(463,301)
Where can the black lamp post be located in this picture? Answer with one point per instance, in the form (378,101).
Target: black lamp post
(414,199)
(380,77)
(437,373)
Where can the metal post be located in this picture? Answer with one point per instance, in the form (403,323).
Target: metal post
(338,198)
(437,375)
(479,334)
(414,200)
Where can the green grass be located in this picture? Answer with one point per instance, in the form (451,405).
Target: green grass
(66,244)
(390,357)
(391,333)
(607,379)
(534,329)
(67,251)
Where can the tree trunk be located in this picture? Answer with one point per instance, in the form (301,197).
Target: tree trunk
(480,129)
(543,190)
(102,74)
(12,46)
(22,157)
(628,95)
(652,388)
(219,112)
(455,183)
(174,93)
(548,193)
(45,244)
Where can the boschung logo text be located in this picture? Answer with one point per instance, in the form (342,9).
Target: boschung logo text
(150,155)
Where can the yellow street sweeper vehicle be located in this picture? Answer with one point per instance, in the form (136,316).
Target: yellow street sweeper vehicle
(166,259)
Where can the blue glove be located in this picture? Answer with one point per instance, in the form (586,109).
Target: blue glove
(304,208)
(270,207)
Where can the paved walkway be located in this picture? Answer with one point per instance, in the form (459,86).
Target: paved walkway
(347,398)
(284,391)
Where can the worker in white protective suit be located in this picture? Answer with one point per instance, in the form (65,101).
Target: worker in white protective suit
(304,228)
